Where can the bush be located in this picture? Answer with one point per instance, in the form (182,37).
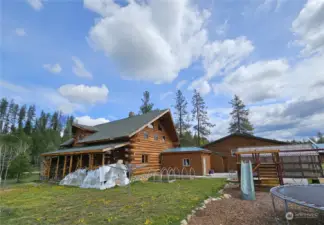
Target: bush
(19,165)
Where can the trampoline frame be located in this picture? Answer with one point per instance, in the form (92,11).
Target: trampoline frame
(286,199)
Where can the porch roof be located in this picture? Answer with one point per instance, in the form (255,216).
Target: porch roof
(86,149)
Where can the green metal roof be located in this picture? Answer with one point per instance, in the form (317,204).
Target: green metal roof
(122,128)
(185,149)
(88,148)
(68,142)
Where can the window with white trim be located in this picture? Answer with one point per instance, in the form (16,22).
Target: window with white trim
(186,162)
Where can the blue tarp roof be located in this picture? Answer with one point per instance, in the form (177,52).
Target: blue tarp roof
(186,149)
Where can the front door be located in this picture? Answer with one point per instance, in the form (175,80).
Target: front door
(204,166)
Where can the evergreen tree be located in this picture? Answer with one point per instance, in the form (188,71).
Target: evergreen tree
(240,122)
(21,117)
(68,128)
(20,165)
(181,114)
(146,105)
(199,114)
(30,119)
(14,115)
(320,138)
(8,117)
(3,110)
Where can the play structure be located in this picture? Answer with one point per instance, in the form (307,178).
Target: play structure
(270,166)
(307,202)
(247,182)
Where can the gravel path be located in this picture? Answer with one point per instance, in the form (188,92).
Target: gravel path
(235,211)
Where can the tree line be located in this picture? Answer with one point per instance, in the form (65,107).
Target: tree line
(20,125)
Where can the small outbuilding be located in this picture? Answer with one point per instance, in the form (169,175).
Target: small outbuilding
(185,158)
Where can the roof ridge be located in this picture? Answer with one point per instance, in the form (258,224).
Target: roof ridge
(126,118)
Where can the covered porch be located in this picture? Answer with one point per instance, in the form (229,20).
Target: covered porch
(56,165)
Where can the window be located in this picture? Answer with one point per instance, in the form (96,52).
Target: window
(144,158)
(146,135)
(163,138)
(156,137)
(160,127)
(186,162)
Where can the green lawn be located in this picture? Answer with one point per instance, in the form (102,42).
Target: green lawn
(25,179)
(149,203)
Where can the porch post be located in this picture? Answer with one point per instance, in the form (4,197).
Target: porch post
(103,158)
(64,167)
(49,168)
(71,161)
(80,161)
(57,165)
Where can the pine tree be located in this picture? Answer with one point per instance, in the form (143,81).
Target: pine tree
(181,114)
(146,105)
(21,117)
(8,117)
(68,128)
(3,110)
(199,113)
(320,138)
(30,119)
(240,122)
(13,119)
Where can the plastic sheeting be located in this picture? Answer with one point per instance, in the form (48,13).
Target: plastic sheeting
(102,178)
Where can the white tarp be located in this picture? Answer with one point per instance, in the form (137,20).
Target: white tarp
(102,178)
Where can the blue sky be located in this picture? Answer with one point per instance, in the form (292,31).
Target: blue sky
(94,59)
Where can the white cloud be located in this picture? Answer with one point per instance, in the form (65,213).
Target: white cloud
(20,32)
(181,84)
(55,68)
(201,85)
(79,69)
(49,99)
(309,27)
(256,82)
(150,40)
(165,95)
(84,94)
(87,120)
(36,4)
(220,57)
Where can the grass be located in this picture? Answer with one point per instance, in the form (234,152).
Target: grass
(24,180)
(149,203)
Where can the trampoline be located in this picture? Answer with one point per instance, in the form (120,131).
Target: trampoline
(310,196)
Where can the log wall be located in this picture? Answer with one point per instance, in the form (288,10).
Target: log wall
(151,147)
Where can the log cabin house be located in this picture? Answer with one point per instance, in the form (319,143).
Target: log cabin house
(137,140)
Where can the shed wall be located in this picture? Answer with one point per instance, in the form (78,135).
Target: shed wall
(225,146)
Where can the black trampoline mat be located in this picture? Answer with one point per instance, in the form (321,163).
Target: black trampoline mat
(309,194)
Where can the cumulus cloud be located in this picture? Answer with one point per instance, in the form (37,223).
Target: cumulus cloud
(201,85)
(20,32)
(53,68)
(150,40)
(79,68)
(256,82)
(165,95)
(36,4)
(84,94)
(87,120)
(309,27)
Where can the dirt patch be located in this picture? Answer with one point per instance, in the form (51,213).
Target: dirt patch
(235,211)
